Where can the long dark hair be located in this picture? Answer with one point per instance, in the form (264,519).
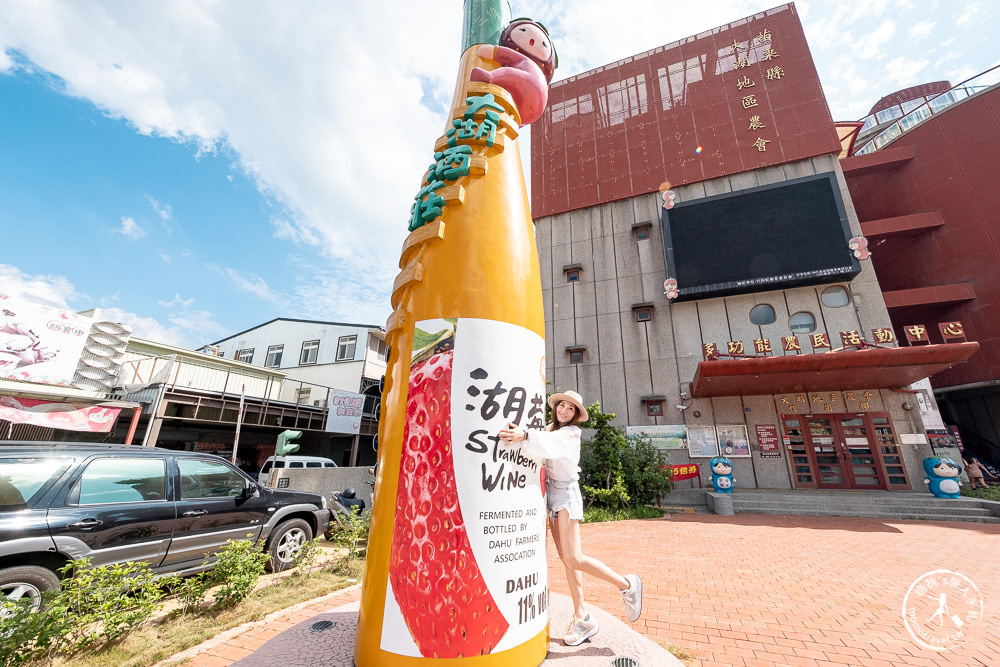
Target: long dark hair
(555,425)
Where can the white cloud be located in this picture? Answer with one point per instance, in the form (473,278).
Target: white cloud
(176,301)
(44,289)
(199,326)
(905,72)
(921,30)
(969,15)
(59,292)
(131,229)
(165,211)
(297,234)
(251,283)
(870,45)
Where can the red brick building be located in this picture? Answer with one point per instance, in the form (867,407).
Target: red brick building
(925,184)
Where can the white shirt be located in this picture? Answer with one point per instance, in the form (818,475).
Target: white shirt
(560,449)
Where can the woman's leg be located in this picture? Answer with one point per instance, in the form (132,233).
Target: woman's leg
(572,555)
(573,577)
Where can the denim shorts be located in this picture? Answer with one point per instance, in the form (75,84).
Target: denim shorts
(564,495)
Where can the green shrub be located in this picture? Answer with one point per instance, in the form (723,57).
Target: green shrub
(189,591)
(617,470)
(305,558)
(992,492)
(350,533)
(26,635)
(239,566)
(603,514)
(94,607)
(105,603)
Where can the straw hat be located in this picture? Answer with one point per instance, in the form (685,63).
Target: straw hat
(575,399)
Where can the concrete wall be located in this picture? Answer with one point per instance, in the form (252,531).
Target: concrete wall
(625,360)
(327,481)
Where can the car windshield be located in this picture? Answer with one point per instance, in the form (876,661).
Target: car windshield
(24,478)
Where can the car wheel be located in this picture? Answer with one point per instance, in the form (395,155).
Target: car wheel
(285,543)
(26,583)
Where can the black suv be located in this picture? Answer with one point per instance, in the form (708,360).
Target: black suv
(116,503)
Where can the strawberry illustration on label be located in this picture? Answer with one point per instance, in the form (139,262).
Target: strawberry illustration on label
(437,583)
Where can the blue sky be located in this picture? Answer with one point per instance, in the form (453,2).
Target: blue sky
(197,168)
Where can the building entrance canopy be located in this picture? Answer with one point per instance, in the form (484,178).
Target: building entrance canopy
(873,368)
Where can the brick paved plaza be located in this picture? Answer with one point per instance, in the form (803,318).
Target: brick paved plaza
(758,590)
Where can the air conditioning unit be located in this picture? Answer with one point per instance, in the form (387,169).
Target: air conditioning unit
(319,403)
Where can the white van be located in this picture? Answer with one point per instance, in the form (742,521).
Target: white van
(292,461)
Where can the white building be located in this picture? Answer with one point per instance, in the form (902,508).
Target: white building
(333,354)
(318,358)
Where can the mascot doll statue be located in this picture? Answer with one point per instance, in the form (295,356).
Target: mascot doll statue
(942,477)
(527,61)
(722,474)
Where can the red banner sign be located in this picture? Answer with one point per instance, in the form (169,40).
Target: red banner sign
(65,416)
(684,471)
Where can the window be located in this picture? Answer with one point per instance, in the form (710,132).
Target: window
(654,408)
(273,359)
(122,480)
(302,395)
(835,297)
(641,230)
(345,348)
(643,314)
(802,322)
(246,356)
(310,352)
(208,479)
(576,357)
(762,314)
(378,346)
(22,478)
(573,276)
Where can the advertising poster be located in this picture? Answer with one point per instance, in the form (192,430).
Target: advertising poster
(65,416)
(662,437)
(767,441)
(38,343)
(733,440)
(702,442)
(469,532)
(927,404)
(345,412)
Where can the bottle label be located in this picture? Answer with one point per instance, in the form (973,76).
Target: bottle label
(467,570)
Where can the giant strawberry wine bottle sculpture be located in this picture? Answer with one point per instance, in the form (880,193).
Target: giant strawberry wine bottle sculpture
(456,565)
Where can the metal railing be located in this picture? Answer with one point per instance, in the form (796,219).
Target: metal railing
(966,88)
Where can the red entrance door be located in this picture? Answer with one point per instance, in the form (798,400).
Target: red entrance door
(840,451)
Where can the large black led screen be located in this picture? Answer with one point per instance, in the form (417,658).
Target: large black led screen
(789,234)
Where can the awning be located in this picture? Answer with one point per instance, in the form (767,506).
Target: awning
(873,368)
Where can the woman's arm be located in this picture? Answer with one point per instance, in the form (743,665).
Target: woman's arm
(563,443)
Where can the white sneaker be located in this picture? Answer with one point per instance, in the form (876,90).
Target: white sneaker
(632,597)
(580,629)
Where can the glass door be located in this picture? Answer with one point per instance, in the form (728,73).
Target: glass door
(860,457)
(889,453)
(827,453)
(798,456)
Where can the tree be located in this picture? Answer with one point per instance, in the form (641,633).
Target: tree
(617,470)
